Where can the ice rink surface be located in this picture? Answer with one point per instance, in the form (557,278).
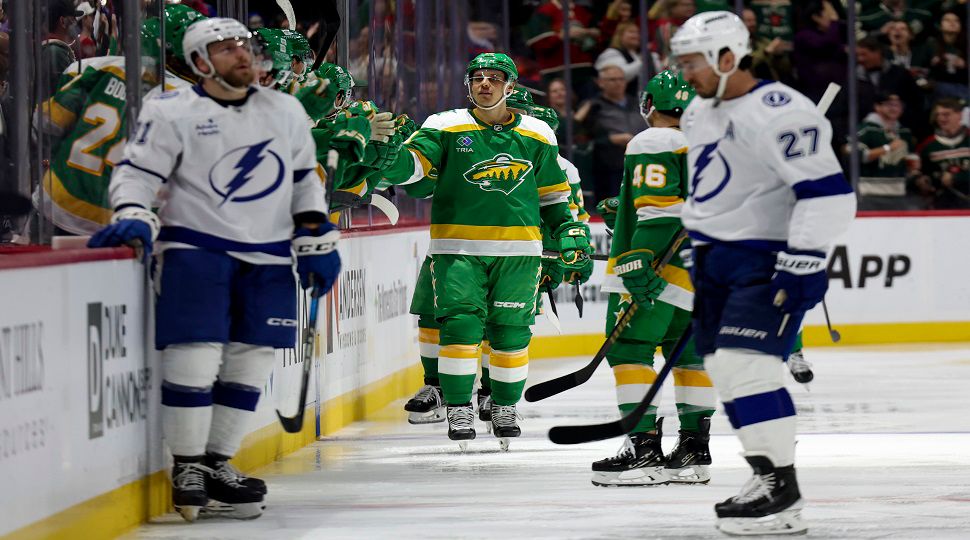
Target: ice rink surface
(883,452)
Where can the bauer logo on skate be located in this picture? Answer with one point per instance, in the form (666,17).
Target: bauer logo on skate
(501,173)
(117,394)
(247,173)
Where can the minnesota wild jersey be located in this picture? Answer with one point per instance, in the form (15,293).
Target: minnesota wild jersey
(648,217)
(577,204)
(940,155)
(88,116)
(492,181)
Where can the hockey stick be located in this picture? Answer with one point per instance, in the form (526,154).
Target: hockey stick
(578,300)
(571,380)
(617,428)
(293,424)
(549,254)
(551,313)
(834,334)
(331,25)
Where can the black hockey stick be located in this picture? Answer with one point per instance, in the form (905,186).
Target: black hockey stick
(331,25)
(578,300)
(571,380)
(550,254)
(617,428)
(834,334)
(293,424)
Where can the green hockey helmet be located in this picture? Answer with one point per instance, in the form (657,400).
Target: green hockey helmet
(270,47)
(150,38)
(668,93)
(520,99)
(298,47)
(498,61)
(547,115)
(341,86)
(178,19)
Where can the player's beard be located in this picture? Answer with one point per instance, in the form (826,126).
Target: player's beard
(240,79)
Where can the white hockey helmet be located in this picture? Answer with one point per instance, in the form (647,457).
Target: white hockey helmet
(708,34)
(198,37)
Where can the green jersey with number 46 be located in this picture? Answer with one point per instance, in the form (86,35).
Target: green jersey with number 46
(648,216)
(492,181)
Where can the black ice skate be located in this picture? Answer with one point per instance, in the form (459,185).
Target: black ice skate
(217,462)
(461,424)
(229,497)
(801,369)
(485,406)
(769,503)
(640,462)
(427,406)
(505,424)
(689,460)
(188,488)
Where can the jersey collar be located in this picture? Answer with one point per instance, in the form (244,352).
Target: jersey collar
(224,102)
(506,126)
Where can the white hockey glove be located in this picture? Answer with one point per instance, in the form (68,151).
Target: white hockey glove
(382,126)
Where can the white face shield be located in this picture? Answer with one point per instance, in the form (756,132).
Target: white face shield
(479,76)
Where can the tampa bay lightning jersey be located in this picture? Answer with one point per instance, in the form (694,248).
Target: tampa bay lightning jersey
(763,173)
(230,176)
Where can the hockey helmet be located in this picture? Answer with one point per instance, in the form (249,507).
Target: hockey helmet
(178,19)
(497,61)
(708,34)
(666,92)
(271,49)
(200,35)
(547,115)
(298,47)
(520,99)
(341,86)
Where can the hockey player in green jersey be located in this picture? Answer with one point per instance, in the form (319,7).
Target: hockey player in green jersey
(647,225)
(87,118)
(498,182)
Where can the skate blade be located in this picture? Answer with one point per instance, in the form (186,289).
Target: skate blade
(695,474)
(189,513)
(788,522)
(488,427)
(463,446)
(433,416)
(216,509)
(644,477)
(503,443)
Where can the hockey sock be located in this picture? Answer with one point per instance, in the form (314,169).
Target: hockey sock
(756,403)
(245,369)
(428,339)
(486,377)
(508,370)
(695,395)
(456,371)
(798,342)
(188,372)
(632,383)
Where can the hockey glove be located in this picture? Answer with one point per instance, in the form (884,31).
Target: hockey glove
(350,134)
(316,101)
(643,283)
(800,281)
(607,208)
(572,239)
(317,256)
(381,126)
(132,226)
(552,272)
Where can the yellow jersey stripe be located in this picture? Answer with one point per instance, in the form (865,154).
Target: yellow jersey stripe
(484,232)
(681,150)
(59,115)
(564,186)
(425,163)
(459,128)
(691,377)
(429,335)
(63,199)
(634,374)
(677,276)
(509,360)
(531,134)
(657,200)
(459,351)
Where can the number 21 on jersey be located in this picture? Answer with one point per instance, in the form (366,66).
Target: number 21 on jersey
(652,175)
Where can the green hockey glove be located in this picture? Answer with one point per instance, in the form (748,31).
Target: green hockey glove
(643,283)
(607,208)
(316,101)
(552,272)
(350,134)
(572,243)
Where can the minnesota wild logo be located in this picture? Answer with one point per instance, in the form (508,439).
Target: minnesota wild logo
(501,173)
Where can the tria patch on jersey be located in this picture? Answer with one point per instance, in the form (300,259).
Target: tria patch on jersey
(501,173)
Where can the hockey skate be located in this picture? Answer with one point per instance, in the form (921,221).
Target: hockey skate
(229,497)
(801,369)
(505,424)
(768,504)
(640,462)
(426,407)
(688,462)
(188,488)
(485,410)
(219,462)
(461,424)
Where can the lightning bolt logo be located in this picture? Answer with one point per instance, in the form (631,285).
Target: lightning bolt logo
(244,173)
(703,160)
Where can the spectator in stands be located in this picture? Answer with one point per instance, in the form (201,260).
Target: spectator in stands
(546,38)
(55,51)
(618,12)
(948,65)
(876,18)
(624,53)
(770,57)
(558,100)
(612,118)
(945,158)
(665,17)
(819,57)
(887,157)
(902,52)
(876,74)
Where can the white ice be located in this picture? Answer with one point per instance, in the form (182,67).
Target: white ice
(883,452)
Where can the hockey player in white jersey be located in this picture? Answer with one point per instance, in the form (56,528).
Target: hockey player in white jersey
(767,199)
(242,192)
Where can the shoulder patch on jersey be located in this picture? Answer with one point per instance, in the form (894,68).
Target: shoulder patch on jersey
(538,127)
(776,98)
(656,141)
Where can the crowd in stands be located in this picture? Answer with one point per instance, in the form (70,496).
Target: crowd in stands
(911,58)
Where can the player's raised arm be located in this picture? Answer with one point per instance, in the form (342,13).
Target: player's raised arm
(419,154)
